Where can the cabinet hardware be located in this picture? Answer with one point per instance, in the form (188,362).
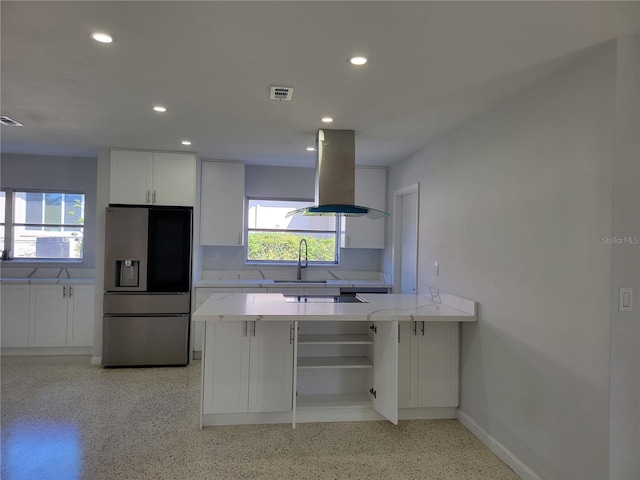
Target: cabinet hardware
(64,291)
(70,291)
(148,196)
(415,328)
(374,329)
(291,334)
(154,196)
(372,392)
(253,329)
(422,328)
(244,334)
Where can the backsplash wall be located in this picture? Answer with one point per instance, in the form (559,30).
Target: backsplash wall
(232,258)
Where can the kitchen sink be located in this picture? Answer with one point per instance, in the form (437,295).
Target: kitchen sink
(299,281)
(323,299)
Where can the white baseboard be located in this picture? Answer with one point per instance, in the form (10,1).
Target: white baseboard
(96,361)
(496,447)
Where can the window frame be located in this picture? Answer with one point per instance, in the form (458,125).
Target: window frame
(337,234)
(10,224)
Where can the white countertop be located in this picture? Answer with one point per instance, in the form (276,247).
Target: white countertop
(380,307)
(283,283)
(88,281)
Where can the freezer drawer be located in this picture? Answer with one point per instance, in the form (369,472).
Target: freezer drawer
(145,341)
(146,303)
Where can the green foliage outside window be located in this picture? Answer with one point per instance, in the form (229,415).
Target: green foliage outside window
(281,246)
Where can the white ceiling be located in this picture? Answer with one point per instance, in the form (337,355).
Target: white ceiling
(433,65)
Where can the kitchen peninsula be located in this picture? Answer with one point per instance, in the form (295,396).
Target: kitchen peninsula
(274,358)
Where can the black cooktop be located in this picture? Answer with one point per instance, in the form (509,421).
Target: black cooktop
(323,299)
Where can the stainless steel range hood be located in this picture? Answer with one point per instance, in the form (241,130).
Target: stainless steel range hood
(335,177)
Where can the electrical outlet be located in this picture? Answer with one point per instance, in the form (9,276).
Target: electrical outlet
(216,256)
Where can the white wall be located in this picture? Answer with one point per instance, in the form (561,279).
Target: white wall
(51,173)
(625,326)
(513,207)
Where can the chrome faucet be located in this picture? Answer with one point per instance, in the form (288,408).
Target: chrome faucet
(306,258)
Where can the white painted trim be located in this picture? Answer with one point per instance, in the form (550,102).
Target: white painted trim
(37,351)
(96,361)
(496,447)
(397,225)
(249,418)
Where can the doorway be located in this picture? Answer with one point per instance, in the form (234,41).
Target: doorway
(405,243)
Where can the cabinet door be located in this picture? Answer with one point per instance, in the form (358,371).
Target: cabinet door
(407,365)
(222,204)
(438,364)
(271,373)
(173,179)
(226,368)
(81,315)
(385,370)
(130,180)
(15,315)
(370,191)
(201,296)
(48,316)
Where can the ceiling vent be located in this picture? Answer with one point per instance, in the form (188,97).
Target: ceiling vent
(10,122)
(281,93)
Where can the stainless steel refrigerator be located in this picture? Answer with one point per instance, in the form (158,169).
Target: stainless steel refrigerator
(147,298)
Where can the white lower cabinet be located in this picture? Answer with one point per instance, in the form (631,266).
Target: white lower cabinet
(15,314)
(352,365)
(61,315)
(428,364)
(248,367)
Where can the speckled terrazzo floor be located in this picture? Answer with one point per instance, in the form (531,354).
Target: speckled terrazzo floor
(64,419)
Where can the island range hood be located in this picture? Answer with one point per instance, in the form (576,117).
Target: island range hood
(335,178)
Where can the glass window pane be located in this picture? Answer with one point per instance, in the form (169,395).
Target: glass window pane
(48,243)
(53,208)
(73,209)
(283,246)
(2,205)
(271,214)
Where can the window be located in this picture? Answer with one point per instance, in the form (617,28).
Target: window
(273,237)
(43,225)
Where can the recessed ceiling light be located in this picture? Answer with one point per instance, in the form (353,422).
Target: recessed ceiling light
(358,60)
(186,142)
(311,149)
(327,119)
(102,37)
(159,108)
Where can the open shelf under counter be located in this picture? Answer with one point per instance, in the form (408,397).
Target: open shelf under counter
(333,401)
(334,340)
(334,362)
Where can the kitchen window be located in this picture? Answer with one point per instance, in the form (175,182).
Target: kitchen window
(272,237)
(42,224)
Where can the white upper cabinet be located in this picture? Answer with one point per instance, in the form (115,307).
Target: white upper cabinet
(222,204)
(370,191)
(152,178)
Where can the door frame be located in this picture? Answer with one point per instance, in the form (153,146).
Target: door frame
(397,233)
